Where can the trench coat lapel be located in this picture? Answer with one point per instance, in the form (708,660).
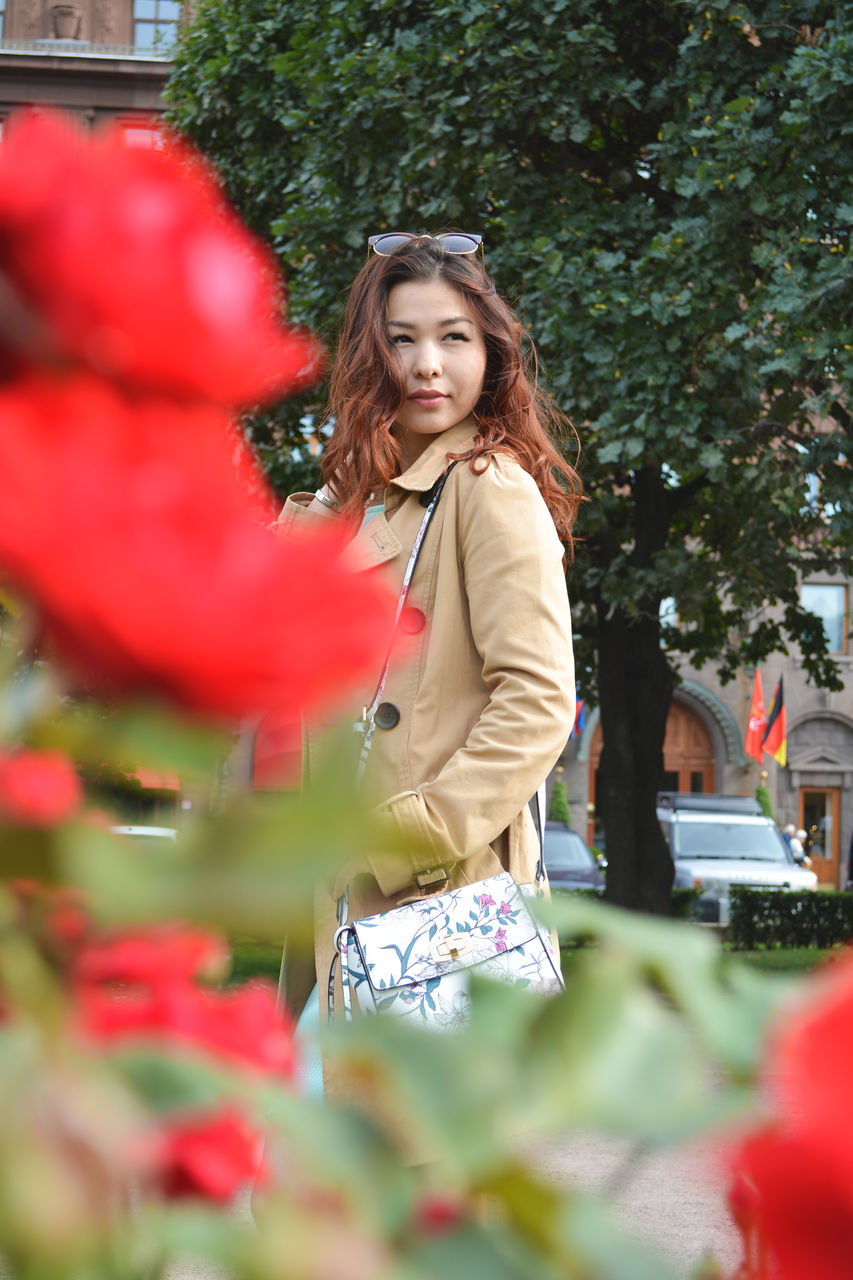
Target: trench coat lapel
(376,542)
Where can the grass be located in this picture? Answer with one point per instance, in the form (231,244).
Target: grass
(790,960)
(254,959)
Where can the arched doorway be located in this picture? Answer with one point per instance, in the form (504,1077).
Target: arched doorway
(688,756)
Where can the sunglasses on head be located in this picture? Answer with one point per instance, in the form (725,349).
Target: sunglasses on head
(389,242)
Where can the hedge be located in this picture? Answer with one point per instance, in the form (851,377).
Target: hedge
(680,902)
(773,918)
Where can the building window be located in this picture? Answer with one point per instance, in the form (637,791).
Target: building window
(142,133)
(155,24)
(2,16)
(829,602)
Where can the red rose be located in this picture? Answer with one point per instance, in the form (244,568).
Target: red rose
(160,954)
(799,1225)
(211,1156)
(137,527)
(242,1026)
(438,1213)
(132,262)
(39,788)
(143,986)
(793,1178)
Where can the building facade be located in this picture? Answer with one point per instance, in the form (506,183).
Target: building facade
(706,728)
(98,59)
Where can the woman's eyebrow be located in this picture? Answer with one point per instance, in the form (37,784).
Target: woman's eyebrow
(405,324)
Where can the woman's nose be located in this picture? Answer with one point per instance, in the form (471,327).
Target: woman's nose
(427,361)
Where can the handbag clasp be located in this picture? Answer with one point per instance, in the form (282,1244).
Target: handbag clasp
(450,946)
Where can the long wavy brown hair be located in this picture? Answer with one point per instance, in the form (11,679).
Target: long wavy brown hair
(368,389)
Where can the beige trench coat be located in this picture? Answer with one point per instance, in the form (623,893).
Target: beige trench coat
(484,681)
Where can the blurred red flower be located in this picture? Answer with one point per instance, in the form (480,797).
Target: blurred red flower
(131,261)
(162,953)
(54,915)
(137,527)
(240,1025)
(143,986)
(438,1213)
(792,1191)
(38,788)
(211,1156)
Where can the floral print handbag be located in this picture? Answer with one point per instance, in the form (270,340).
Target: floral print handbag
(417,961)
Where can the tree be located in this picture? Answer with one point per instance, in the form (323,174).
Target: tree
(558,808)
(667,189)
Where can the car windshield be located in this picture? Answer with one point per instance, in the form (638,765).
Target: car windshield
(565,851)
(727,840)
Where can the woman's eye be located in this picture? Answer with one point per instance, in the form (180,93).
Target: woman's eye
(458,337)
(398,339)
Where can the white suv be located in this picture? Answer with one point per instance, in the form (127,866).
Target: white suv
(720,841)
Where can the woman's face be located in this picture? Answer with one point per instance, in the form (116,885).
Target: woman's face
(443,357)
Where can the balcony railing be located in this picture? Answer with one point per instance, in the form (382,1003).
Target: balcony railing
(86,49)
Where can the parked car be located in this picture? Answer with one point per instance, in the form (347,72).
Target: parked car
(568,859)
(719,841)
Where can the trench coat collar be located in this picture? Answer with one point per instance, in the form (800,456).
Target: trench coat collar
(432,463)
(377,542)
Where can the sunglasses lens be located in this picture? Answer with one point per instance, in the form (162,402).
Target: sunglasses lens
(450,241)
(390,243)
(457,242)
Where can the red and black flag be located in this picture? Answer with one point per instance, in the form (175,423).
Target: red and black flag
(775,740)
(756,729)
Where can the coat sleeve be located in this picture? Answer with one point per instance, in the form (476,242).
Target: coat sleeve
(512,565)
(295,514)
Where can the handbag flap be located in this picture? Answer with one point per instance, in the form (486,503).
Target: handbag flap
(444,934)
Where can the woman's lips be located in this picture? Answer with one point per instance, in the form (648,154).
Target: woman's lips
(427,398)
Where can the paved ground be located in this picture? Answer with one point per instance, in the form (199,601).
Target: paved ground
(672,1198)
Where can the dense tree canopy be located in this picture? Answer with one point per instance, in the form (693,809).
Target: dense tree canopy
(666,190)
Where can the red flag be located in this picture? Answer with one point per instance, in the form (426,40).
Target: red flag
(775,740)
(757,725)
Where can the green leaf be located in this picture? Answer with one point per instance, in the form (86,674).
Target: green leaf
(738,105)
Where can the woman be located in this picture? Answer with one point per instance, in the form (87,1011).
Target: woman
(479,699)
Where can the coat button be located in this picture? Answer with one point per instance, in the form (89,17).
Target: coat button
(387,715)
(412,620)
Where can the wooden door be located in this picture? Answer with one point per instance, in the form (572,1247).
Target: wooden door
(688,758)
(819,810)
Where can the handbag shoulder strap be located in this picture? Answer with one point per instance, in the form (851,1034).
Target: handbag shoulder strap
(538,805)
(368,720)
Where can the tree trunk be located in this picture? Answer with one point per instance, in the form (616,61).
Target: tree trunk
(635,691)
